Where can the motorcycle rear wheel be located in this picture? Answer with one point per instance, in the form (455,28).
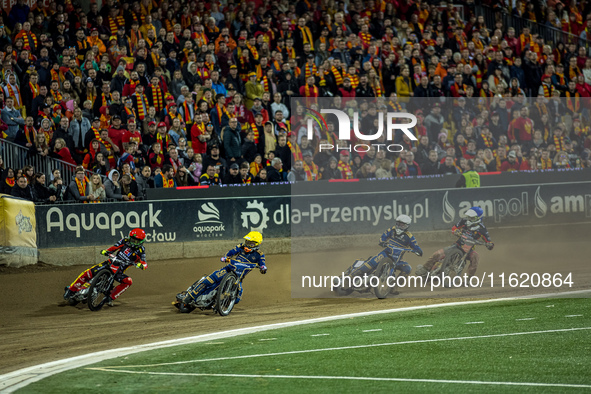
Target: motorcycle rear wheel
(227,294)
(99,290)
(72,302)
(342,291)
(185,304)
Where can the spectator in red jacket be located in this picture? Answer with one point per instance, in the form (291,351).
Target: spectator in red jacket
(511,164)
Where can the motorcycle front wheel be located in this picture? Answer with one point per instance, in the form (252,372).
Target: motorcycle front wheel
(227,294)
(452,264)
(383,272)
(99,290)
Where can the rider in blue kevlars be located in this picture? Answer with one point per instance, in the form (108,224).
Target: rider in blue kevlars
(241,260)
(395,237)
(471,224)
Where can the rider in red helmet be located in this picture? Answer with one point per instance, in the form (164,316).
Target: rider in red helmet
(130,250)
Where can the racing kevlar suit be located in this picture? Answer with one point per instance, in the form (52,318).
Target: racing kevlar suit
(476,231)
(390,240)
(240,262)
(129,255)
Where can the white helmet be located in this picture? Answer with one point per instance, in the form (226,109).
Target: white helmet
(474,215)
(402,223)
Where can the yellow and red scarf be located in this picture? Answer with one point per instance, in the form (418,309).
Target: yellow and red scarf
(255,130)
(307,91)
(253,51)
(157,97)
(27,39)
(163,142)
(310,71)
(337,76)
(345,170)
(168,183)
(187,113)
(354,78)
(548,90)
(81,187)
(104,102)
(30,134)
(558,142)
(569,102)
(295,151)
(141,110)
(15,94)
(546,164)
(114,24)
(307,36)
(487,141)
(365,39)
(57,96)
(310,170)
(34,89)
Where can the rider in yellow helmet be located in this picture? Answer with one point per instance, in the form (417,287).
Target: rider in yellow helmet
(241,260)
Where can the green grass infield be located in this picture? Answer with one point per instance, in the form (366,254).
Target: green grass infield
(540,345)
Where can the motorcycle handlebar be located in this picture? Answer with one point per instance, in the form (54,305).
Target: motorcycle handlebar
(469,240)
(384,244)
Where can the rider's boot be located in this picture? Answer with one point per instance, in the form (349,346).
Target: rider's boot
(69,293)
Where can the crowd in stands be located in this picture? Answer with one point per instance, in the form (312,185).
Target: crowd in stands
(159,93)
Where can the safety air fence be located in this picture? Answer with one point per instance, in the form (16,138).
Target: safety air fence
(320,209)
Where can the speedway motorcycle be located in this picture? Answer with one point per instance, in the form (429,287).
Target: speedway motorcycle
(221,299)
(97,291)
(382,272)
(455,261)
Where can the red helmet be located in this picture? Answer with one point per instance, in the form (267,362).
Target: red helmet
(137,236)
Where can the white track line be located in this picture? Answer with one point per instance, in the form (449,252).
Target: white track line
(374,330)
(268,339)
(475,322)
(526,318)
(582,386)
(425,325)
(573,315)
(511,334)
(319,335)
(17,379)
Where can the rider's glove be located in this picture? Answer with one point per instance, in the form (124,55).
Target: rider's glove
(458,232)
(223,259)
(104,252)
(263,269)
(140,266)
(419,252)
(490,245)
(382,244)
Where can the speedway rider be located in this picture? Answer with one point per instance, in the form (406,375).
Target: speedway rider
(129,251)
(393,238)
(471,225)
(241,260)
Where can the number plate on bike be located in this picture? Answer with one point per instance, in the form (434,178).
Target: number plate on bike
(358,263)
(466,248)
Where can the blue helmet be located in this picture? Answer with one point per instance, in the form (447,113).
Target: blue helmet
(474,215)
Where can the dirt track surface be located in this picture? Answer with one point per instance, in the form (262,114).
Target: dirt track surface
(37,326)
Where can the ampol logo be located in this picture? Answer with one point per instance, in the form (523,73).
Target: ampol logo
(344,129)
(209,224)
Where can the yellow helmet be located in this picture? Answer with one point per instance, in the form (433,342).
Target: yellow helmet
(253,240)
